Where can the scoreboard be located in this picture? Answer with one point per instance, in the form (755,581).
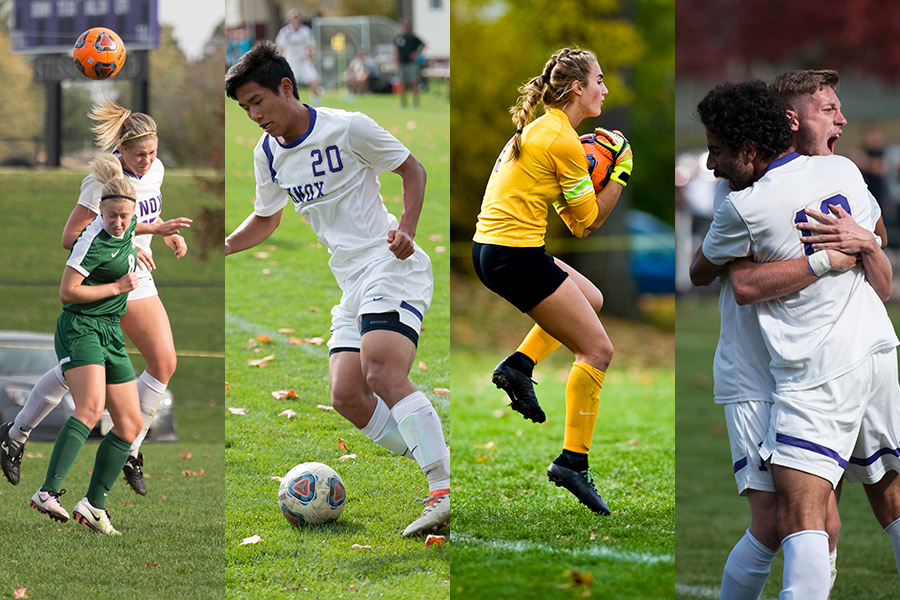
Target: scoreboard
(51,26)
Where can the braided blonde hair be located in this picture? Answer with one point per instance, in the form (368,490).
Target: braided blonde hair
(117,126)
(107,169)
(553,88)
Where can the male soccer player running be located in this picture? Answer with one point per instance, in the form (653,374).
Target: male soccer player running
(327,162)
(822,352)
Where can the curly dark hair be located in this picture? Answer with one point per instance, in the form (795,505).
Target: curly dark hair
(261,64)
(735,112)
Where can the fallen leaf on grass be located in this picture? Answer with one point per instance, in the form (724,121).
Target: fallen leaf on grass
(295,341)
(275,477)
(127,503)
(580,579)
(440,249)
(237,411)
(186,473)
(260,362)
(482,458)
(343,445)
(442,391)
(267,271)
(360,547)
(315,340)
(434,539)
(186,455)
(263,338)
(227,387)
(19,592)
(286,330)
(593,536)
(260,255)
(499,413)
(288,413)
(346,457)
(633,442)
(323,407)
(253,539)
(34,455)
(436,237)
(314,309)
(284,394)
(489,446)
(151,565)
(422,365)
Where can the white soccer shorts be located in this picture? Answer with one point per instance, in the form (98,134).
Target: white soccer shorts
(748,423)
(877,447)
(390,285)
(146,287)
(816,430)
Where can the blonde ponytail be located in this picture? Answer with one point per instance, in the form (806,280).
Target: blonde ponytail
(117,125)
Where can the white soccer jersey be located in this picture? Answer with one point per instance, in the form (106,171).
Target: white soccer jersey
(147,191)
(832,325)
(741,366)
(331,175)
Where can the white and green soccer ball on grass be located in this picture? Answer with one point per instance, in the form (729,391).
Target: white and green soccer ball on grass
(310,494)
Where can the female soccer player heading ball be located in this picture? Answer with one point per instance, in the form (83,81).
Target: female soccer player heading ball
(543,165)
(326,162)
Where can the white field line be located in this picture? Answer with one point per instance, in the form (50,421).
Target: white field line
(597,551)
(704,592)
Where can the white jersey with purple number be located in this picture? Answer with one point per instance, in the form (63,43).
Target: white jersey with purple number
(832,325)
(147,191)
(331,175)
(741,366)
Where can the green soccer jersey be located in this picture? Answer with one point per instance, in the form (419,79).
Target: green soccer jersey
(103,259)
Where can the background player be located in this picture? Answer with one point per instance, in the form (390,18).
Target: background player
(326,162)
(297,44)
(508,250)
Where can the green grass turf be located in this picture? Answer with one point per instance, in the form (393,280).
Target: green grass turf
(711,517)
(516,535)
(171,542)
(292,287)
(182,533)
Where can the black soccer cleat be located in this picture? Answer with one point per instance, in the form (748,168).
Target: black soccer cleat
(520,389)
(10,454)
(580,484)
(134,476)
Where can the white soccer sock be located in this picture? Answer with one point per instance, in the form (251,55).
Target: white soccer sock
(421,429)
(150,392)
(382,429)
(43,398)
(893,530)
(832,562)
(746,569)
(806,570)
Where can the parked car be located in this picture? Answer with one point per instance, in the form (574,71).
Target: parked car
(24,357)
(652,253)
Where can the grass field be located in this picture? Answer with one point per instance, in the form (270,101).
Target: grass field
(289,286)
(516,535)
(711,517)
(175,530)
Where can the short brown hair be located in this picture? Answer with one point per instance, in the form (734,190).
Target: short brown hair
(802,82)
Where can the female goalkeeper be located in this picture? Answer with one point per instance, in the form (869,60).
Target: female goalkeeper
(544,165)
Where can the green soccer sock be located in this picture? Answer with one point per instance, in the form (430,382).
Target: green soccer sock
(68,444)
(111,457)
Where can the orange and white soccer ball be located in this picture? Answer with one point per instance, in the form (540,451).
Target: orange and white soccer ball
(99,53)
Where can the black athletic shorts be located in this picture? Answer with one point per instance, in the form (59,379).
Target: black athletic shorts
(522,276)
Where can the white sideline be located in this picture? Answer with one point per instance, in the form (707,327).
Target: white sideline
(705,592)
(595,551)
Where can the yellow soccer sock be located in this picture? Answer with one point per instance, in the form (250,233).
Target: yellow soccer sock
(582,402)
(538,344)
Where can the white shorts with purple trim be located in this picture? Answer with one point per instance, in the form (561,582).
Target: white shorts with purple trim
(819,430)
(388,286)
(747,424)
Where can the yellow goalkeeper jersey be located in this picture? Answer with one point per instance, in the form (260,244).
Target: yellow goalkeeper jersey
(551,168)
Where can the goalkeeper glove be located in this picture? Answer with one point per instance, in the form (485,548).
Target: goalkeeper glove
(614,141)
